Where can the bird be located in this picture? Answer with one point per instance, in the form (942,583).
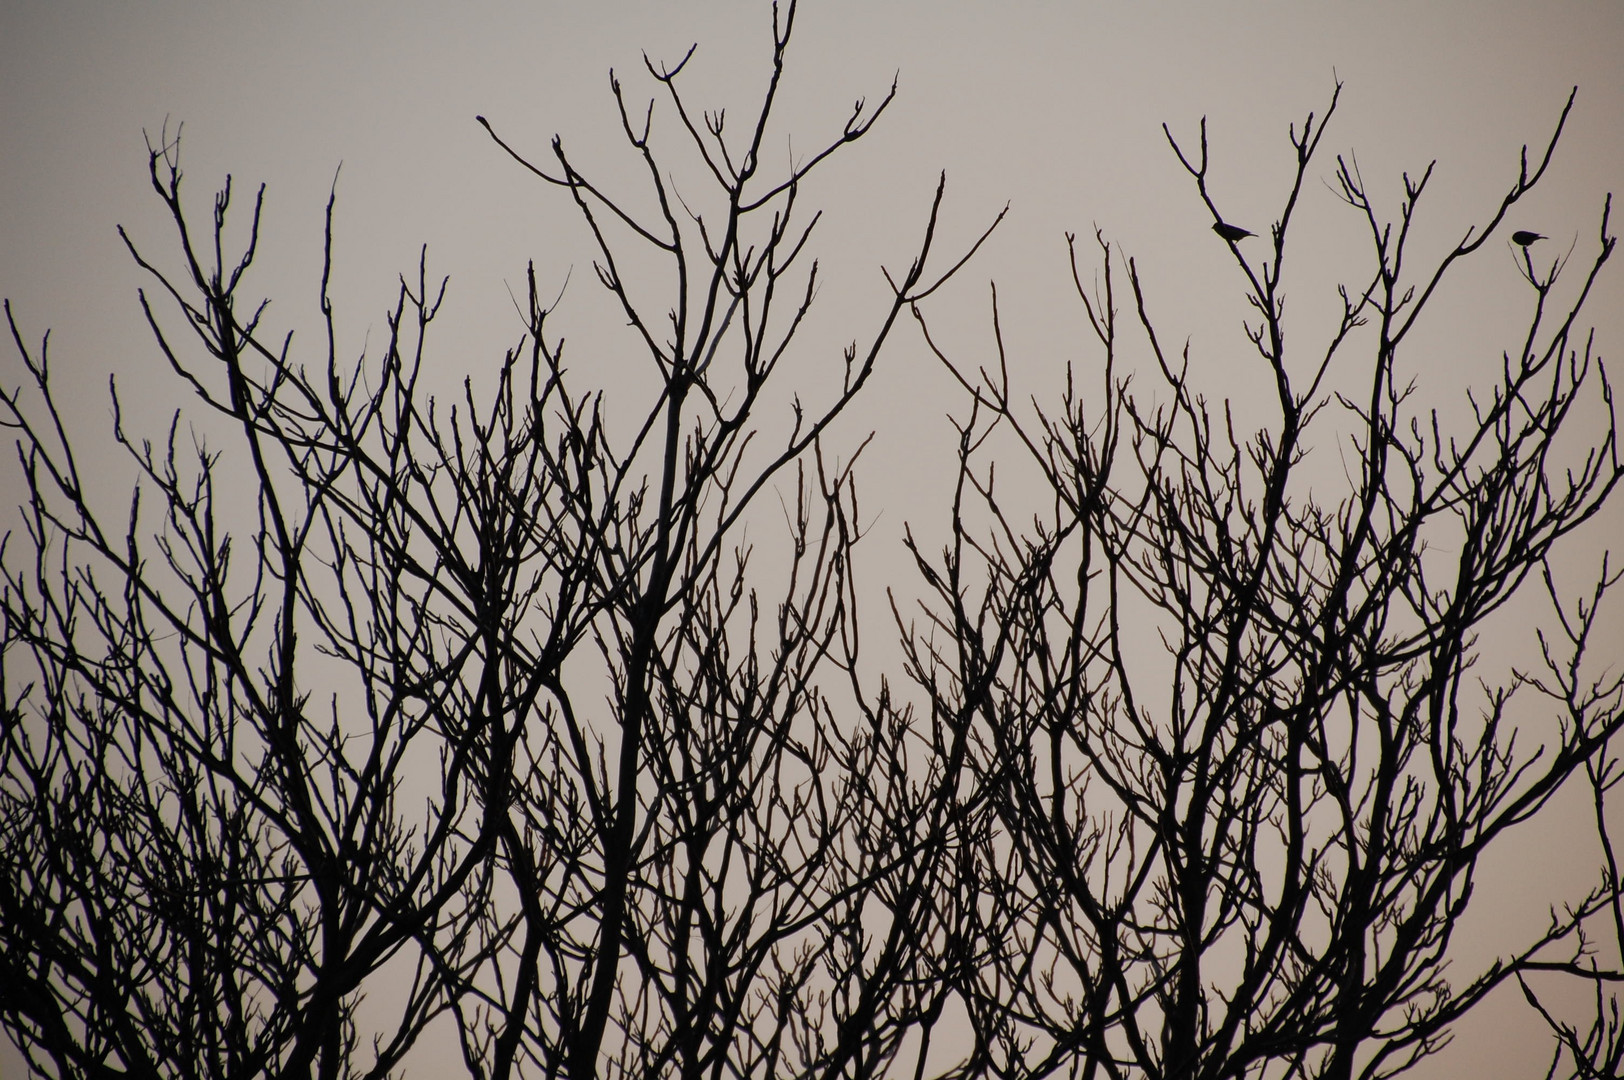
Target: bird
(1522,237)
(1231,233)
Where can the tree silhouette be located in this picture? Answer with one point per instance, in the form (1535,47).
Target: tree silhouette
(1246,853)
(487,712)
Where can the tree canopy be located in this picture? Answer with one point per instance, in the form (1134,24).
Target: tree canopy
(534,718)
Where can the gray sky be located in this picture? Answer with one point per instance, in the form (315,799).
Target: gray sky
(1051,106)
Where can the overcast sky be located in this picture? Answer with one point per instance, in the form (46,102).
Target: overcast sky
(1055,108)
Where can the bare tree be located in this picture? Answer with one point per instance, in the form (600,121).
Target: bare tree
(487,714)
(1237,769)
(651,847)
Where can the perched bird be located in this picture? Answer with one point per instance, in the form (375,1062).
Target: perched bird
(1231,233)
(1522,237)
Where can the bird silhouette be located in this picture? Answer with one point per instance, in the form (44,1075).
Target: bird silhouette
(1522,237)
(1231,233)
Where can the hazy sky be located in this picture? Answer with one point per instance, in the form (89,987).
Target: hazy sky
(1053,107)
